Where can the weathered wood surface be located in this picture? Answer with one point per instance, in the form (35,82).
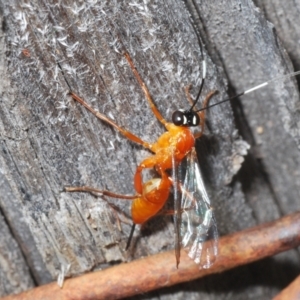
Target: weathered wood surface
(157,271)
(49,142)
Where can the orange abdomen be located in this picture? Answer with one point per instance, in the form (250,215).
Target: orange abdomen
(155,194)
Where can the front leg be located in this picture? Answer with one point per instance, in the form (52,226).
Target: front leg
(201,113)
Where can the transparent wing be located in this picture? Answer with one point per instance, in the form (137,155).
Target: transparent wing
(195,221)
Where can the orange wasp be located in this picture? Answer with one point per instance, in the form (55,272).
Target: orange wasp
(193,216)
(193,212)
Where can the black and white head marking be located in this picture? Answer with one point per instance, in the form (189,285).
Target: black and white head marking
(188,118)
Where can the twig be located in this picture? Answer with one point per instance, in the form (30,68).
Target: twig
(291,292)
(159,270)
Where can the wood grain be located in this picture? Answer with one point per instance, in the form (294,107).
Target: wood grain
(158,271)
(49,142)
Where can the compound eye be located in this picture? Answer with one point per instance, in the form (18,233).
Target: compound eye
(179,118)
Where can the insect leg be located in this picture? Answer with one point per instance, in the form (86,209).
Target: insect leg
(102,117)
(145,89)
(148,163)
(88,189)
(202,112)
(187,94)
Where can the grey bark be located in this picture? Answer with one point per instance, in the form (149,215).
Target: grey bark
(49,142)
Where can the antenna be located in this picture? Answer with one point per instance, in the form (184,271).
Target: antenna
(253,89)
(190,117)
(203,63)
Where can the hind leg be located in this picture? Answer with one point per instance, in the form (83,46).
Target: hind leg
(148,163)
(201,113)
